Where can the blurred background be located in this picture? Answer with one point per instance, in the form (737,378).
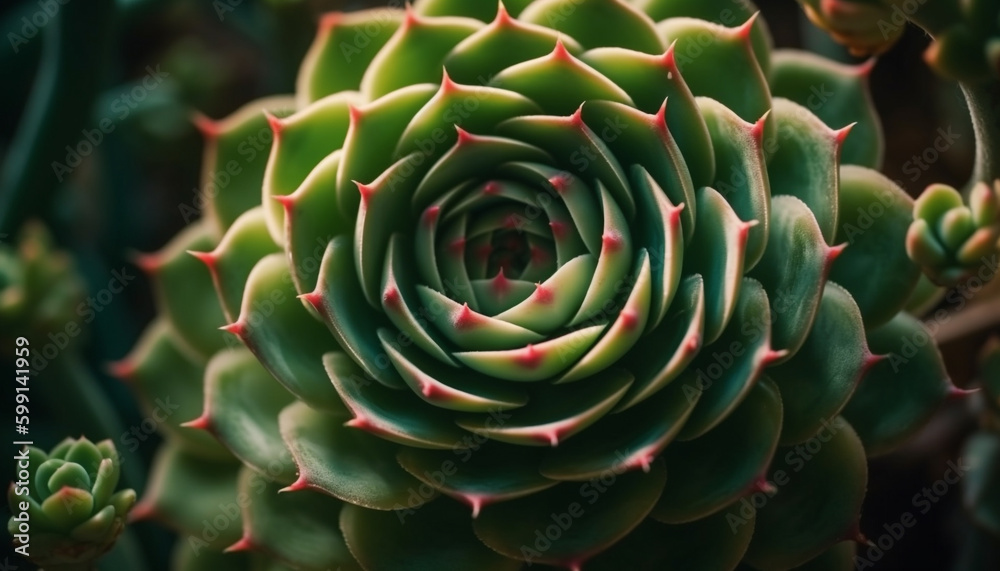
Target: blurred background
(97,141)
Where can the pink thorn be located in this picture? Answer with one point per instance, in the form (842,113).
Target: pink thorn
(543,294)
(124,370)
(762,485)
(642,460)
(148,263)
(674,216)
(237,328)
(560,182)
(244,544)
(668,58)
(757,132)
(209,128)
(431,215)
(313,298)
(359,422)
(330,20)
(411,18)
(141,512)
(207,258)
(464,137)
(300,483)
(869,361)
(276,124)
(832,253)
(745,229)
(865,69)
(500,284)
(491,188)
(559,51)
(693,344)
(628,318)
(529,357)
(744,30)
(955,393)
(576,119)
(611,242)
(503,17)
(840,135)
(476,502)
(203,422)
(771,356)
(660,119)
(355,114)
(366,192)
(457,247)
(286,200)
(447,84)
(466,318)
(390,298)
(427,388)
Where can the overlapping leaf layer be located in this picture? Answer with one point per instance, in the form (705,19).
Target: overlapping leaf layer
(559,282)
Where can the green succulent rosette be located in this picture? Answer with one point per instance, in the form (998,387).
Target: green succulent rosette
(66,504)
(561,283)
(953,241)
(39,288)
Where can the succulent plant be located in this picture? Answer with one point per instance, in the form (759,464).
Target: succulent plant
(966,34)
(864,26)
(67,513)
(492,273)
(951,241)
(39,288)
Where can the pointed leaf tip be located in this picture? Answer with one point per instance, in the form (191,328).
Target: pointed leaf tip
(208,127)
(123,370)
(203,422)
(244,544)
(276,124)
(143,511)
(207,258)
(301,483)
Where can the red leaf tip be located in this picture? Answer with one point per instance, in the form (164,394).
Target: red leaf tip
(203,422)
(276,124)
(244,544)
(123,370)
(301,483)
(208,127)
(237,328)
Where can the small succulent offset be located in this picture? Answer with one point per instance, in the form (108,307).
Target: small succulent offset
(67,503)
(951,241)
(39,288)
(966,33)
(532,259)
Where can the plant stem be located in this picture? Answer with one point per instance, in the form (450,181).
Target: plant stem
(984,108)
